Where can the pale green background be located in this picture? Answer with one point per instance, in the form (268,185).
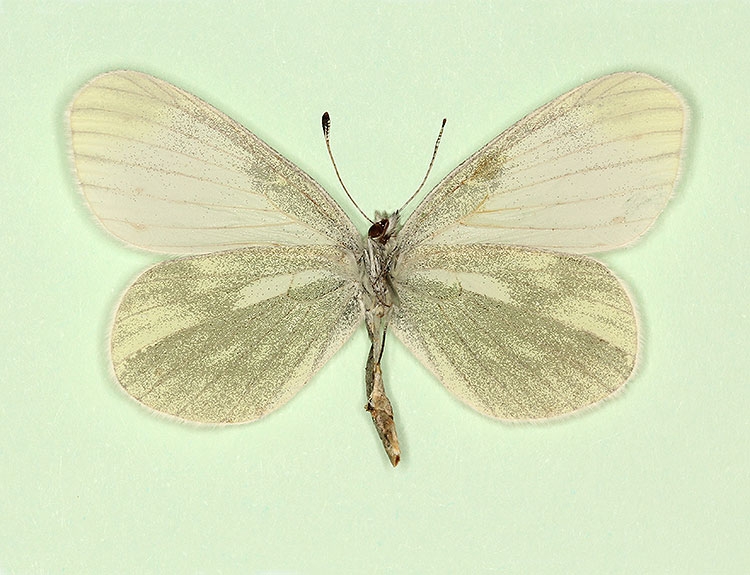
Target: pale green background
(655,481)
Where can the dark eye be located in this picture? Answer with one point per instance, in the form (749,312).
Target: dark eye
(378,229)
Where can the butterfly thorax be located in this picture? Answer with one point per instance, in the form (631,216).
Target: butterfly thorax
(378,291)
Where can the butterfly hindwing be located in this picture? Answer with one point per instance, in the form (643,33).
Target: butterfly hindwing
(230,336)
(516,333)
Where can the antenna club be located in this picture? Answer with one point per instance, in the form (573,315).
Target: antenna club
(326,122)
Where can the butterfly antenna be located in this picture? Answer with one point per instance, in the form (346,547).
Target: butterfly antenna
(326,129)
(429,168)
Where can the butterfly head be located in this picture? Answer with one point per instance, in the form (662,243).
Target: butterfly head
(384,227)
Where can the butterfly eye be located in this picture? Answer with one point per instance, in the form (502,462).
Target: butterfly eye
(378,230)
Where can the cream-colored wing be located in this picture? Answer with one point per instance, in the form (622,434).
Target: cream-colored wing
(516,333)
(230,336)
(588,172)
(165,171)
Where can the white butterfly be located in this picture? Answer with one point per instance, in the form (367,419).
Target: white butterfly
(485,282)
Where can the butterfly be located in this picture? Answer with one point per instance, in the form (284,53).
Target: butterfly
(486,282)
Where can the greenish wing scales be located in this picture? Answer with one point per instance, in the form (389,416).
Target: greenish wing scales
(231,336)
(517,334)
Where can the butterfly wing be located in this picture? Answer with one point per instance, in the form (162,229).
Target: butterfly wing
(165,171)
(529,332)
(588,172)
(516,333)
(231,335)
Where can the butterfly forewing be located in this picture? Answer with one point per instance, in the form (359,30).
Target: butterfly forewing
(588,172)
(165,171)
